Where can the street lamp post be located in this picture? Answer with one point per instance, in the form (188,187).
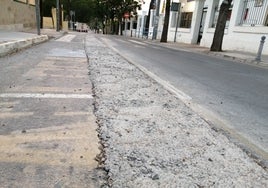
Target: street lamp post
(178,21)
(58,14)
(37,10)
(156,19)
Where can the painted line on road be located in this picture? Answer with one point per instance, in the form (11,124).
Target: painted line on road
(4,115)
(66,38)
(137,42)
(46,95)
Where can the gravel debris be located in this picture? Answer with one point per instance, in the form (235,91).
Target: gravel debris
(152,139)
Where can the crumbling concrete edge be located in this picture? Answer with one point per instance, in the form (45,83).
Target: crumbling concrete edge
(101,157)
(15,46)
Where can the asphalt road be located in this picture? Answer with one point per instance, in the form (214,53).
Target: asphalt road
(235,93)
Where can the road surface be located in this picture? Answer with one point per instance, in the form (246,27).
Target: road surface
(235,94)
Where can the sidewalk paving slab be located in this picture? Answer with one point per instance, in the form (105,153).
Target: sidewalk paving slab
(12,41)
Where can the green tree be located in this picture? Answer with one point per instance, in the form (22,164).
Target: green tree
(84,9)
(97,13)
(220,26)
(112,12)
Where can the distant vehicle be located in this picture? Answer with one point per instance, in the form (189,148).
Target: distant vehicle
(81,27)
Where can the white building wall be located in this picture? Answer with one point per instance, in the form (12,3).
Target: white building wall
(208,30)
(237,37)
(241,38)
(184,35)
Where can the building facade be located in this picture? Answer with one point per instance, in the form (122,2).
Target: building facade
(17,14)
(194,22)
(248,22)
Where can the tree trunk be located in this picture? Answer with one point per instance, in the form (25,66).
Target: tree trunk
(166,23)
(220,27)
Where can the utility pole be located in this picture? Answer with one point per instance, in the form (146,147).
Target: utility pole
(58,14)
(156,19)
(37,13)
(178,21)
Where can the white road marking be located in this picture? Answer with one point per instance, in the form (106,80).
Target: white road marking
(66,38)
(121,40)
(62,52)
(15,114)
(137,42)
(46,95)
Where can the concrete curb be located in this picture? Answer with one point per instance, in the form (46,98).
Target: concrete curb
(14,46)
(249,60)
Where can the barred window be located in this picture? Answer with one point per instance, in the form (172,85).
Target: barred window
(186,19)
(255,13)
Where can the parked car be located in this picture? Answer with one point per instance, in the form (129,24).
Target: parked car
(81,27)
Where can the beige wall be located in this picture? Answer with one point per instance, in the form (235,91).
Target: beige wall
(54,18)
(48,23)
(16,15)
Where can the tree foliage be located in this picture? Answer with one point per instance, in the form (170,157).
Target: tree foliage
(84,9)
(94,12)
(112,11)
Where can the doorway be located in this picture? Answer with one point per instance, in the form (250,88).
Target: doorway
(202,24)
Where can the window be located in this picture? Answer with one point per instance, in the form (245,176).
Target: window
(186,19)
(134,25)
(216,16)
(140,20)
(254,13)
